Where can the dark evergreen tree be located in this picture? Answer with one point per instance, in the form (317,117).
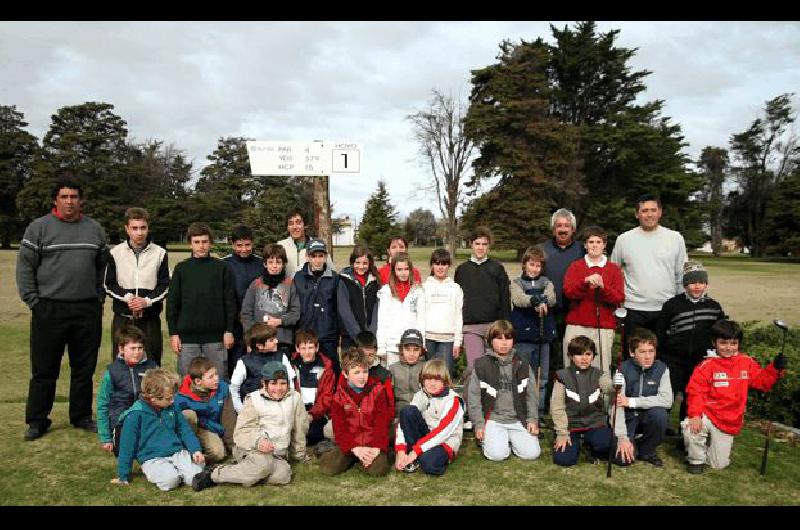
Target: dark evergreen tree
(18,152)
(378,221)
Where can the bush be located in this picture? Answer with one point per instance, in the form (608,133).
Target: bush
(782,404)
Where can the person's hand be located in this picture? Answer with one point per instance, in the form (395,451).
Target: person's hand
(625,450)
(365,454)
(310,417)
(619,379)
(108,446)
(116,480)
(779,362)
(198,458)
(479,434)
(272,321)
(227,340)
(562,442)
(456,351)
(175,344)
(542,309)
(137,304)
(622,400)
(400,460)
(533,428)
(695,424)
(265,446)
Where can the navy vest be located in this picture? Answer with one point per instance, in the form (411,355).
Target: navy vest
(253,363)
(641,383)
(126,383)
(528,325)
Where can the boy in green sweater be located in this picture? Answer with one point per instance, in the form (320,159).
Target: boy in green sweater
(201,305)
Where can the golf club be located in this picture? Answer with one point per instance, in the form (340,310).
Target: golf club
(599,338)
(782,325)
(620,313)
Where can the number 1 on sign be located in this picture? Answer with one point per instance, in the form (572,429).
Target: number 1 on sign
(345,160)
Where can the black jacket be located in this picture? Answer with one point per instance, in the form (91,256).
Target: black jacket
(318,302)
(486,291)
(684,329)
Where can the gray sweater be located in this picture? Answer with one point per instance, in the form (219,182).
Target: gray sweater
(61,260)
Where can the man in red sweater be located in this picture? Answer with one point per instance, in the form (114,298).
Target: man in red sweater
(591,284)
(717,394)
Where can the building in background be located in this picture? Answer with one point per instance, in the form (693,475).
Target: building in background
(346,235)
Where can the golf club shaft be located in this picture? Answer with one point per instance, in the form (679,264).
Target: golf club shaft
(769,424)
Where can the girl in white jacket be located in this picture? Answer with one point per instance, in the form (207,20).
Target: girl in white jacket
(444,302)
(400,307)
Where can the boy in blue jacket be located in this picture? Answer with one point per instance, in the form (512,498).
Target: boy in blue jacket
(120,386)
(155,433)
(203,397)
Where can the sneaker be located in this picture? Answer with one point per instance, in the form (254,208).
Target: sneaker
(34,432)
(323,447)
(202,481)
(696,469)
(653,460)
(468,425)
(412,467)
(87,424)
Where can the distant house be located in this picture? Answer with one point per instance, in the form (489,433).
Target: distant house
(346,236)
(728,246)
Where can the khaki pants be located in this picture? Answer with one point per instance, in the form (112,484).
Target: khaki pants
(212,444)
(710,446)
(604,348)
(334,462)
(252,467)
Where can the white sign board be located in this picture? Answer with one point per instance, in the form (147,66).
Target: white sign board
(303,158)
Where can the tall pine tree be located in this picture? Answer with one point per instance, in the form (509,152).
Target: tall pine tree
(378,221)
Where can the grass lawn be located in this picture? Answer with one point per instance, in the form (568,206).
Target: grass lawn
(67,466)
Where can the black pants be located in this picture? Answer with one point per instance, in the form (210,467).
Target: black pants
(238,350)
(433,461)
(679,374)
(330,348)
(150,326)
(652,425)
(54,325)
(639,319)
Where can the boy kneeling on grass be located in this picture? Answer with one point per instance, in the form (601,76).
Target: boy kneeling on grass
(577,405)
(155,433)
(121,385)
(717,396)
(272,424)
(205,401)
(360,420)
(432,425)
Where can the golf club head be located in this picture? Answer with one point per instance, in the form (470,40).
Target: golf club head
(781,324)
(621,313)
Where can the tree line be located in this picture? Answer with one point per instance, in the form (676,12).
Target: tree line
(545,126)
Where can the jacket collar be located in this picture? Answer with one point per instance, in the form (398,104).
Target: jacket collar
(146,243)
(186,389)
(601,264)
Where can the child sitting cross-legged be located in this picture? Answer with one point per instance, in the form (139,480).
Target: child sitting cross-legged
(263,342)
(360,421)
(431,427)
(205,401)
(270,428)
(121,385)
(155,433)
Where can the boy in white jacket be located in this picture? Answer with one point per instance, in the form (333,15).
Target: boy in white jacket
(400,307)
(444,302)
(272,423)
(431,427)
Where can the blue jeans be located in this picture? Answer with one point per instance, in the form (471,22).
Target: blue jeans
(441,350)
(599,440)
(433,461)
(539,357)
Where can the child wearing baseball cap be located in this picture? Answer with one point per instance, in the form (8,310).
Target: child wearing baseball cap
(405,372)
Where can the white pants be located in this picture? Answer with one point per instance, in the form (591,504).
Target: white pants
(604,348)
(497,437)
(710,446)
(167,472)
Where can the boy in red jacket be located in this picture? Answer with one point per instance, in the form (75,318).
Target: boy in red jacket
(717,395)
(317,384)
(360,421)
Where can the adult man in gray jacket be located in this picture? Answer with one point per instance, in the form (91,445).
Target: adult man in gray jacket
(60,266)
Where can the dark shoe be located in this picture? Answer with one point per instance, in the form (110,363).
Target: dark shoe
(34,432)
(671,432)
(323,447)
(202,481)
(87,424)
(696,469)
(652,459)
(412,467)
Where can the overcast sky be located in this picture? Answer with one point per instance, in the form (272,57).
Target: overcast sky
(189,83)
